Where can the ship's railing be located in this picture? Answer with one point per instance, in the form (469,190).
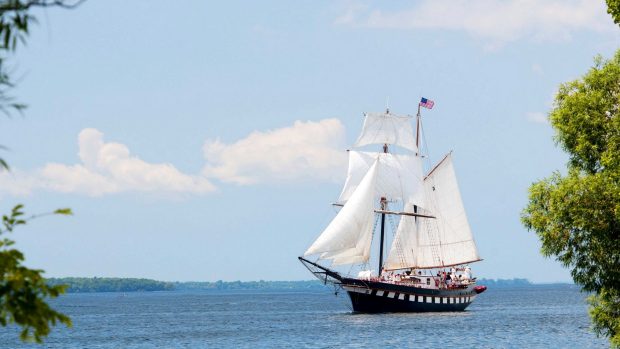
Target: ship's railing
(436,283)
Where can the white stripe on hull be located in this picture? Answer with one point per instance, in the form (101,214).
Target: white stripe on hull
(411,297)
(362,290)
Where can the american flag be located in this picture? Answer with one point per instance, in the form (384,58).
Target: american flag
(427,103)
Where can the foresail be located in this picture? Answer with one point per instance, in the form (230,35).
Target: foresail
(348,237)
(386,128)
(358,254)
(444,241)
(399,177)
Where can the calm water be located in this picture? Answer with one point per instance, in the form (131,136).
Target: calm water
(533,317)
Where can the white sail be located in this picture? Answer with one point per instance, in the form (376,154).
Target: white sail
(399,177)
(404,251)
(348,237)
(385,128)
(358,254)
(444,241)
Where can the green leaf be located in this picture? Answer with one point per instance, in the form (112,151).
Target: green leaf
(64,211)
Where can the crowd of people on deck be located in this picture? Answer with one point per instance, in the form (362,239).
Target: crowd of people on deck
(454,277)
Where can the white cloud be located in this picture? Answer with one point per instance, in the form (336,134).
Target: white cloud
(16,182)
(494,21)
(537,117)
(105,168)
(306,150)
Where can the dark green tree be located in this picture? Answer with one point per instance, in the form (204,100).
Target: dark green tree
(613,8)
(577,215)
(23,291)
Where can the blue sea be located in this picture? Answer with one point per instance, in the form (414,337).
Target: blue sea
(542,316)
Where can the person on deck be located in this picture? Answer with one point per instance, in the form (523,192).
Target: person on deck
(467,275)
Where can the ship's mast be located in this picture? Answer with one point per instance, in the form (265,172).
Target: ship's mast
(417,146)
(417,131)
(383,208)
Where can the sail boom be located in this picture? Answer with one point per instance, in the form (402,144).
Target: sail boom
(402,213)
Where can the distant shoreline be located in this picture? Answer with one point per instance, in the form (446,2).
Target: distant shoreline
(98,284)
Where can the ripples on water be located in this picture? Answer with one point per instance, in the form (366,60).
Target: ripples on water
(553,316)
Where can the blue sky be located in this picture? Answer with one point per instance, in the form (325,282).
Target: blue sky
(205,141)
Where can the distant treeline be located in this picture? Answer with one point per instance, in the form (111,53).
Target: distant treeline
(250,285)
(504,282)
(97,284)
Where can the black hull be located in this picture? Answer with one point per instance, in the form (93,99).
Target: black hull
(380,297)
(385,297)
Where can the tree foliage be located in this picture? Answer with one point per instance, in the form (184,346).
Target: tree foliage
(23,291)
(98,284)
(613,8)
(577,215)
(15,23)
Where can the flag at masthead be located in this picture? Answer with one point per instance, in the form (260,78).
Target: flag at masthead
(427,103)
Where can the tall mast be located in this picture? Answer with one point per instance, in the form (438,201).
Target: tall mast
(383,204)
(417,145)
(383,208)
(417,130)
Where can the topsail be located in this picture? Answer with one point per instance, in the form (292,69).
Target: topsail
(386,128)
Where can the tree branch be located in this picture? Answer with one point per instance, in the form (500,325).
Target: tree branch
(19,6)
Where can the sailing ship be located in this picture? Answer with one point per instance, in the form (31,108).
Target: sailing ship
(426,268)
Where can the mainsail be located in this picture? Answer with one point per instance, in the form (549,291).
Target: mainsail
(444,241)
